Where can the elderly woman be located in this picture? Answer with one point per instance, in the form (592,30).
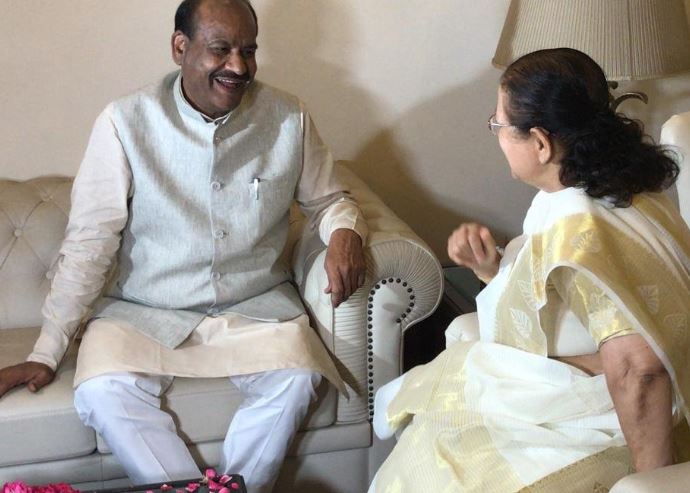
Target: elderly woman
(580,374)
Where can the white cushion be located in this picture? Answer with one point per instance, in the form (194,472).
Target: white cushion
(676,133)
(671,479)
(463,328)
(42,426)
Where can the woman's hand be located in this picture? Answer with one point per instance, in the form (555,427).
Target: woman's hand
(641,391)
(472,245)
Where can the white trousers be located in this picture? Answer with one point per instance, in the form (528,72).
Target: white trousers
(124,408)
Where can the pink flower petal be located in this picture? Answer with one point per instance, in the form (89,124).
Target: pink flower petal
(212,485)
(210,473)
(235,486)
(224,479)
(192,487)
(149,491)
(166,487)
(224,490)
(16,487)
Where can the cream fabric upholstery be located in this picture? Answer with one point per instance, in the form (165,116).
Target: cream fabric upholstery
(671,479)
(335,450)
(44,426)
(463,328)
(33,216)
(676,133)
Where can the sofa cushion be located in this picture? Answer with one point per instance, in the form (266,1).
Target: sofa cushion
(203,407)
(42,426)
(33,216)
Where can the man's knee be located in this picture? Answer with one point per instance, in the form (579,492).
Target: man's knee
(302,383)
(292,384)
(100,396)
(90,396)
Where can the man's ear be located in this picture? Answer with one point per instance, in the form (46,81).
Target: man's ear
(544,146)
(179,43)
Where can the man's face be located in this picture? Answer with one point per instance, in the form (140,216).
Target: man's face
(218,63)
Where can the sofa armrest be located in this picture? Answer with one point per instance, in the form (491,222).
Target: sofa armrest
(671,479)
(403,285)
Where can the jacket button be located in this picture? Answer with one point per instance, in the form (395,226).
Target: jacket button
(219,234)
(216,185)
(216,276)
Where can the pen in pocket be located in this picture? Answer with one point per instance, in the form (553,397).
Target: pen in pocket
(256,182)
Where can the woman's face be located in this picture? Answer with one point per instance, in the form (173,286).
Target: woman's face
(529,160)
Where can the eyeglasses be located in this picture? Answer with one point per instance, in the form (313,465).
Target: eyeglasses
(494,126)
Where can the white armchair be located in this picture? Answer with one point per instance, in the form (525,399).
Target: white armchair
(672,479)
(676,133)
(43,440)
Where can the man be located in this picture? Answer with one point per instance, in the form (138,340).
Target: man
(187,185)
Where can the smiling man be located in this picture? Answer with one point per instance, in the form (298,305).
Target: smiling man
(186,185)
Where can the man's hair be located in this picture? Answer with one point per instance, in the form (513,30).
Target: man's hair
(185,17)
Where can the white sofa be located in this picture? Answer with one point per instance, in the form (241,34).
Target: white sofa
(42,439)
(672,479)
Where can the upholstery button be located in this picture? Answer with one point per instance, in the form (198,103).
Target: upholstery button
(216,185)
(216,276)
(219,234)
(50,274)
(17,232)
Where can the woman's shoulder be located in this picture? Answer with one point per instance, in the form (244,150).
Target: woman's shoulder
(548,208)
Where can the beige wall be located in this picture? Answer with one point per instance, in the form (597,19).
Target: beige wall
(401,87)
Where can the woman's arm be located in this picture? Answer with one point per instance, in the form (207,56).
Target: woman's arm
(642,396)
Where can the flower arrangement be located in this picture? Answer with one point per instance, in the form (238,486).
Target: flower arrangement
(21,487)
(211,482)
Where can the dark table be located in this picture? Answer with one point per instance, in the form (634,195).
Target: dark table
(177,486)
(425,340)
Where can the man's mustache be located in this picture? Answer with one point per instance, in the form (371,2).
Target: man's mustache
(233,77)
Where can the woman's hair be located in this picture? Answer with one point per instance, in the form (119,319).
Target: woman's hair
(565,92)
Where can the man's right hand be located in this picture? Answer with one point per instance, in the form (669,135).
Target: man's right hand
(473,246)
(33,375)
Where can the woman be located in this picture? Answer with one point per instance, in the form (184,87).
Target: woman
(581,372)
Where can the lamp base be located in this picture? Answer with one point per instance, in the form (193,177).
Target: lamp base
(614,102)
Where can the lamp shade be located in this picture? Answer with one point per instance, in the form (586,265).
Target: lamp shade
(630,39)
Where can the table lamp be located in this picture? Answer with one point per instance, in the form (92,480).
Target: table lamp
(629,39)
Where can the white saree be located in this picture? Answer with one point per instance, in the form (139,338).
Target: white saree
(498,415)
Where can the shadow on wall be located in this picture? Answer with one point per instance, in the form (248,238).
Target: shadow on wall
(292,37)
(438,166)
(435,164)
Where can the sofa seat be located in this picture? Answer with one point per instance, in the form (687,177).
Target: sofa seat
(44,426)
(202,409)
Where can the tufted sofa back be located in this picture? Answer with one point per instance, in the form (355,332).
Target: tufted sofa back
(33,216)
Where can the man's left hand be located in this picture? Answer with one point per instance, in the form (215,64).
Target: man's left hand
(345,266)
